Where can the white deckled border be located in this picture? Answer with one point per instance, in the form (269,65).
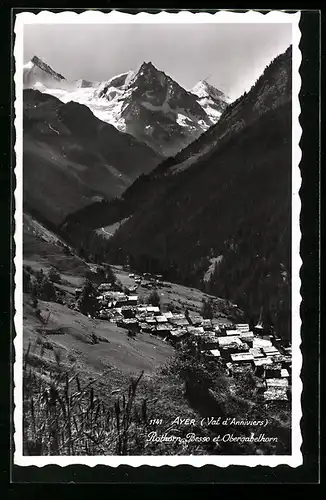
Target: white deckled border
(115,17)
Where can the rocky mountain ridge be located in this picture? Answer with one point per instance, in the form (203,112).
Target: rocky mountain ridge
(147,103)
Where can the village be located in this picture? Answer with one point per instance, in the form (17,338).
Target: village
(236,345)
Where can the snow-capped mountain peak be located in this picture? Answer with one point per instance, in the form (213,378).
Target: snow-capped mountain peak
(38,74)
(45,67)
(146,103)
(213,100)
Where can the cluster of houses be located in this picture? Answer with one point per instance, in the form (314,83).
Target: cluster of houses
(268,357)
(146,280)
(239,347)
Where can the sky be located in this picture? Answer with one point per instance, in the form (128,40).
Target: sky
(229,56)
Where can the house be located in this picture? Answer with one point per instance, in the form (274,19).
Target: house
(163,330)
(121,302)
(161,319)
(154,310)
(258,342)
(163,327)
(178,335)
(208,342)
(273,371)
(195,331)
(285,373)
(178,316)
(279,358)
(244,327)
(276,382)
(105,287)
(215,352)
(256,352)
(230,346)
(247,337)
(242,357)
(260,366)
(228,341)
(150,320)
(179,322)
(132,300)
(248,334)
(168,314)
(232,333)
(276,394)
(270,351)
(146,328)
(263,362)
(196,320)
(287,361)
(140,317)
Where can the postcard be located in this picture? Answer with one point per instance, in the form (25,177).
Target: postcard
(157,285)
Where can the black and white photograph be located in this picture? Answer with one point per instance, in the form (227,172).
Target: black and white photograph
(157,239)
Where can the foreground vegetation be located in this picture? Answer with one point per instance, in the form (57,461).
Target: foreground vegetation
(77,403)
(64,417)
(64,413)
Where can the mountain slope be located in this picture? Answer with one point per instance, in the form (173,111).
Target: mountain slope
(227,195)
(71,158)
(37,73)
(212,100)
(146,103)
(269,92)
(156,109)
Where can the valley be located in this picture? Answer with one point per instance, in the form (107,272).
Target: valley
(102,350)
(156,263)
(71,158)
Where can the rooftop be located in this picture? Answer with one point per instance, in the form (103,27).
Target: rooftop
(242,356)
(258,342)
(277,382)
(216,353)
(152,309)
(263,361)
(247,335)
(161,319)
(161,327)
(232,332)
(229,340)
(178,332)
(256,352)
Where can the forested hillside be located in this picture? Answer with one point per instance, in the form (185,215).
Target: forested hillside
(225,199)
